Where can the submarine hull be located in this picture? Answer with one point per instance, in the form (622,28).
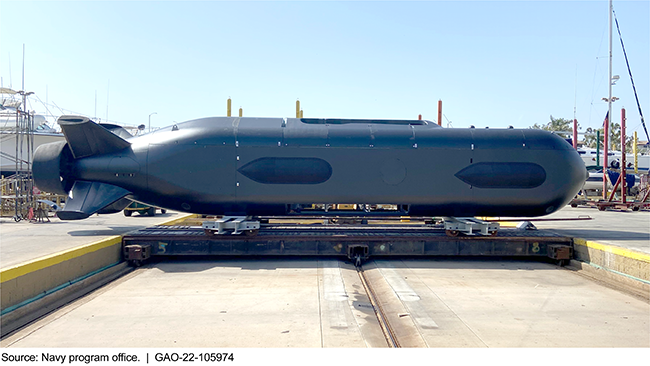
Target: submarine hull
(270,166)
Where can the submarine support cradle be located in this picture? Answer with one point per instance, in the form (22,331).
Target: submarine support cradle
(237,224)
(455,226)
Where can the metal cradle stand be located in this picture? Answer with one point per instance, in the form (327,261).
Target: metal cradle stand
(236,224)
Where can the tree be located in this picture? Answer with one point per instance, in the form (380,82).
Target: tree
(615,137)
(590,138)
(560,126)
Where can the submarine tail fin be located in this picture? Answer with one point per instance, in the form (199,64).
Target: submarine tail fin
(87,198)
(87,138)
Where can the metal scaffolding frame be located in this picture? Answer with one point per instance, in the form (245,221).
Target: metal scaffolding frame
(18,189)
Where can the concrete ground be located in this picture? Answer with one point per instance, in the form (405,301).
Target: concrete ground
(625,229)
(517,304)
(321,303)
(23,241)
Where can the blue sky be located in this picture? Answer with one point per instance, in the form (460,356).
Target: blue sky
(492,63)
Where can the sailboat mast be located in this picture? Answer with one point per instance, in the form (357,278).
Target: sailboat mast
(609,107)
(609,99)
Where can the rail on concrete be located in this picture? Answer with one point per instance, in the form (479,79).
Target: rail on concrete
(34,288)
(627,268)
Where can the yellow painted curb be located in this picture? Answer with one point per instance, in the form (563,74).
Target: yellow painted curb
(180,219)
(56,258)
(24,268)
(614,250)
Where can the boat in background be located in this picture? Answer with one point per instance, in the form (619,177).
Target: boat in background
(588,155)
(21,134)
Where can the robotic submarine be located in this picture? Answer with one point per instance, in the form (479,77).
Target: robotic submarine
(246,166)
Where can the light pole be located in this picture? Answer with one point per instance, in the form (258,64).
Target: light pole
(609,101)
(150,120)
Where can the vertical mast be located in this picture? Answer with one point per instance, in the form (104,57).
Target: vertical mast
(609,99)
(609,106)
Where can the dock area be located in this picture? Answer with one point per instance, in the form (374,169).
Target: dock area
(69,278)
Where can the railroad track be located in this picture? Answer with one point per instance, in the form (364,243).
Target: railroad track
(386,328)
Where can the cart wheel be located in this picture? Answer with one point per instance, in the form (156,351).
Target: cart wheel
(494,233)
(602,208)
(128,213)
(163,211)
(635,208)
(208,232)
(151,211)
(574,205)
(252,232)
(452,232)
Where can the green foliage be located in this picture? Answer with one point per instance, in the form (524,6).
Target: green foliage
(590,137)
(564,128)
(615,136)
(561,126)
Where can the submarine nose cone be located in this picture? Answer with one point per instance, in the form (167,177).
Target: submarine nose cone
(577,174)
(565,169)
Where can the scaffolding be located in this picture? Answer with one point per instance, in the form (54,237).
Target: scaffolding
(18,199)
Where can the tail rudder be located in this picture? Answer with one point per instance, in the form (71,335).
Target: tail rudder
(87,138)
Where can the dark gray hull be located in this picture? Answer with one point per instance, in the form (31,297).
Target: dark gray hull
(262,166)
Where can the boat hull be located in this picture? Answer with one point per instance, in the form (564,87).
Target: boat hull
(8,156)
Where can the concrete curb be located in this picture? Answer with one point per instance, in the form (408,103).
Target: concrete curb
(615,267)
(38,307)
(619,260)
(617,281)
(34,278)
(30,280)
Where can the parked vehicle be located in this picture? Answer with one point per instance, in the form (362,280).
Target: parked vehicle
(142,209)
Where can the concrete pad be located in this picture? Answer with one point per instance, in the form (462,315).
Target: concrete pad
(40,276)
(311,302)
(216,303)
(625,229)
(23,241)
(521,304)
